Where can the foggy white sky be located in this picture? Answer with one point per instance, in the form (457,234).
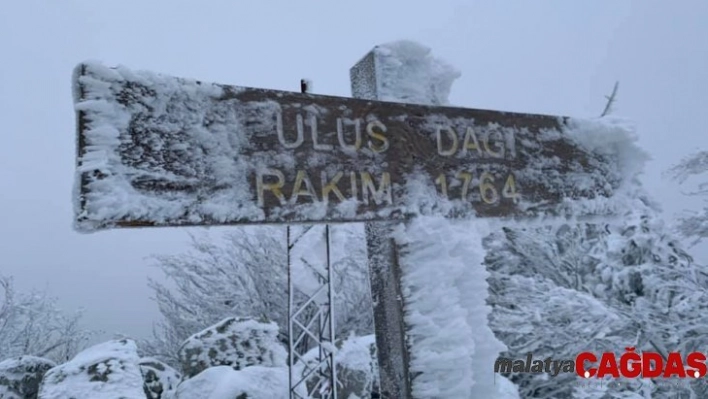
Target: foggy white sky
(552,57)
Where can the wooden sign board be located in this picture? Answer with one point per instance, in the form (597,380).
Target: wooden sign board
(157,150)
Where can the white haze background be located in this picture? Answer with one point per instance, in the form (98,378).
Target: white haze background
(552,57)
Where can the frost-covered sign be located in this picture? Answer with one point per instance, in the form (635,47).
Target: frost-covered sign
(158,150)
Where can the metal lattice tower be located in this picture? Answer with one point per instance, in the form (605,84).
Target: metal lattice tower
(311,327)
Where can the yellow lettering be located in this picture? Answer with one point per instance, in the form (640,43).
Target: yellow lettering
(377,135)
(331,187)
(511,143)
(487,189)
(499,153)
(281,133)
(466,179)
(442,182)
(383,192)
(473,145)
(355,189)
(509,190)
(315,143)
(262,187)
(452,135)
(357,132)
(300,179)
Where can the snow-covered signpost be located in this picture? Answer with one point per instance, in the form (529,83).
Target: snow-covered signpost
(162,151)
(155,150)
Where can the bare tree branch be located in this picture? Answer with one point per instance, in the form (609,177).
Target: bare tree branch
(244,275)
(32,324)
(610,100)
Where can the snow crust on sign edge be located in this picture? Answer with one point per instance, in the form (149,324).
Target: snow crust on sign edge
(113,196)
(616,140)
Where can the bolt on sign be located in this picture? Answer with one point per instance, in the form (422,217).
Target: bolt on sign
(156,150)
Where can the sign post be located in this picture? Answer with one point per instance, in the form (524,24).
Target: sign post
(156,150)
(392,346)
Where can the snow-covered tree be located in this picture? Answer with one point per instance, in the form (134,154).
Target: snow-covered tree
(565,289)
(569,288)
(671,290)
(540,305)
(694,224)
(32,324)
(244,274)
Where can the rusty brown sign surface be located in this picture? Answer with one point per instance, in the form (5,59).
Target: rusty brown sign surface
(158,150)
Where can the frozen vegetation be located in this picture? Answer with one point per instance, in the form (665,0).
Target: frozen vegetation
(474,290)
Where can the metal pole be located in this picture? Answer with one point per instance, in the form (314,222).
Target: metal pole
(392,346)
(311,317)
(291,352)
(330,279)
